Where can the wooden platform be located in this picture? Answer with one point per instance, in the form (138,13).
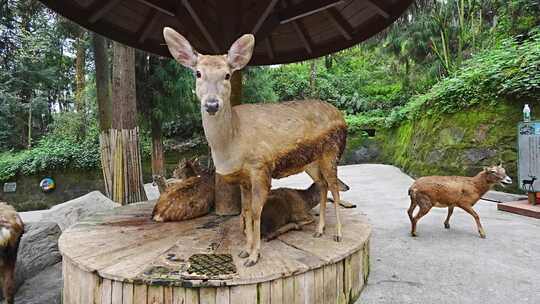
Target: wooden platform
(521,207)
(121,256)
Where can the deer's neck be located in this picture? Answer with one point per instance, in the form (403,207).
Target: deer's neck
(481,183)
(220,133)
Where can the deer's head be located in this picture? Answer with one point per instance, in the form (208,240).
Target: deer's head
(213,72)
(497,175)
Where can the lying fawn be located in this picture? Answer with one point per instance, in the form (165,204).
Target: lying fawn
(453,191)
(288,209)
(253,143)
(190,194)
(11,230)
(186,168)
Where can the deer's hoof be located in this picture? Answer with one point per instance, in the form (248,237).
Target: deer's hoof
(446,225)
(251,261)
(243,254)
(317,234)
(338,238)
(482,235)
(413,234)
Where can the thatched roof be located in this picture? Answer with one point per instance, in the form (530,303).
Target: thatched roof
(285,30)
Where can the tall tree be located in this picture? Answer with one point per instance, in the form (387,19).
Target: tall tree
(80,66)
(148,83)
(103,87)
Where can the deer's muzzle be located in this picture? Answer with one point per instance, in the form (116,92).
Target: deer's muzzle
(211,106)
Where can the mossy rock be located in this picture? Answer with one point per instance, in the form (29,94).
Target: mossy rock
(459,143)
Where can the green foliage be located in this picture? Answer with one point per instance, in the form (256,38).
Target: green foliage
(509,71)
(51,153)
(371,119)
(258,85)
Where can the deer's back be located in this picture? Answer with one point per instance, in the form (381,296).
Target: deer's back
(289,135)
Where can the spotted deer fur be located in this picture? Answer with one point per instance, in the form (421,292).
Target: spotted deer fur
(453,191)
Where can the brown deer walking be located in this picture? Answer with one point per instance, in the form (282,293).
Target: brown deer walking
(253,143)
(453,191)
(11,230)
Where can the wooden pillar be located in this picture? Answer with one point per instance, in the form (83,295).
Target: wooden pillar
(121,157)
(227,196)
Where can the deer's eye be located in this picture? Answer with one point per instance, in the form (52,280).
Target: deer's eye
(227,76)
(198,74)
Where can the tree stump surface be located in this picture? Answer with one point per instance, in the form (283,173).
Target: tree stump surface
(122,256)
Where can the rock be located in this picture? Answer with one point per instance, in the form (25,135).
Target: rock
(481,133)
(476,155)
(38,250)
(365,154)
(70,212)
(46,287)
(435,156)
(451,136)
(152,192)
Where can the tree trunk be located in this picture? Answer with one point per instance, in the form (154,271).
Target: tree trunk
(227,196)
(158,162)
(80,63)
(313,78)
(121,158)
(103,96)
(30,124)
(103,82)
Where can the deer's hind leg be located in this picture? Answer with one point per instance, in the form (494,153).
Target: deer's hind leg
(447,221)
(328,168)
(314,172)
(425,206)
(411,208)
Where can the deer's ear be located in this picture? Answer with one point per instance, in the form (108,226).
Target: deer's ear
(180,48)
(241,51)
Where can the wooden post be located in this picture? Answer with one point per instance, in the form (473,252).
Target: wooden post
(227,196)
(532,198)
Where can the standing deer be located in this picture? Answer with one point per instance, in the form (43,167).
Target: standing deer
(253,143)
(453,191)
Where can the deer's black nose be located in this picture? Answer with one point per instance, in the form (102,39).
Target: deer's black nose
(211,106)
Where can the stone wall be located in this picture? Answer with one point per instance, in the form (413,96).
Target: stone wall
(69,185)
(446,144)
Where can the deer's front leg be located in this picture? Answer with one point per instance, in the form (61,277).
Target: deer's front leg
(260,186)
(248,221)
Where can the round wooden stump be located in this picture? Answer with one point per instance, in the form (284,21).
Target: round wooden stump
(122,256)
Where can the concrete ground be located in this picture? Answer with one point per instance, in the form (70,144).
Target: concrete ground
(440,265)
